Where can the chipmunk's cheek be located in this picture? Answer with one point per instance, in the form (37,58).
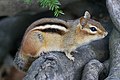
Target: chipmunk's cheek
(98,36)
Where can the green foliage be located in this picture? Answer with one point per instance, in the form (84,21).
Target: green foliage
(53,5)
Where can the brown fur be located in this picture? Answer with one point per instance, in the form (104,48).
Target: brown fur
(53,39)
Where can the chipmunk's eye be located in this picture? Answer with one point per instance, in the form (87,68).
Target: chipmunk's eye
(93,29)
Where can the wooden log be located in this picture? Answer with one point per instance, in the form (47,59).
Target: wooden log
(114,73)
(92,70)
(114,11)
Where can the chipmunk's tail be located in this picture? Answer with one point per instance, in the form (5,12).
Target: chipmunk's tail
(21,63)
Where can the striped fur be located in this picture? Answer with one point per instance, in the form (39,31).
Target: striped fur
(52,29)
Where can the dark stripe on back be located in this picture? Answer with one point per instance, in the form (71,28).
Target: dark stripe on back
(52,23)
(52,30)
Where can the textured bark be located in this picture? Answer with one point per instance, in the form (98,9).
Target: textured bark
(114,73)
(92,70)
(114,11)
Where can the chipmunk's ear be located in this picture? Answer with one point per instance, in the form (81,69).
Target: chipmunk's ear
(84,19)
(87,15)
(83,22)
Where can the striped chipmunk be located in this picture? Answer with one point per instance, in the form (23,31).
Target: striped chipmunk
(52,34)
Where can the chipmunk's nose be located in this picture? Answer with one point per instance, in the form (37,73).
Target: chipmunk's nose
(105,33)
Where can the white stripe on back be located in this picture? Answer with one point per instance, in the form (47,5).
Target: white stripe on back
(52,27)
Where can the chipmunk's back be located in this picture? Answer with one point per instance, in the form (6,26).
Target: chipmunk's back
(44,37)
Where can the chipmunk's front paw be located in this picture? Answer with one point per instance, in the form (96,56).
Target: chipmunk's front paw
(70,56)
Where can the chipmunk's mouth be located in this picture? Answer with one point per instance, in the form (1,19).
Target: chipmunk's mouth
(105,33)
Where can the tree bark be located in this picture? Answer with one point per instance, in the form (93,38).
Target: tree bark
(92,70)
(114,11)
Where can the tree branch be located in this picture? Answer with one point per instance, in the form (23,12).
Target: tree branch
(92,70)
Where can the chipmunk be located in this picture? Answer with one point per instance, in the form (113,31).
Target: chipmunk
(52,34)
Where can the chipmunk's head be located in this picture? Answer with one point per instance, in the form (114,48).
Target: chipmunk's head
(90,29)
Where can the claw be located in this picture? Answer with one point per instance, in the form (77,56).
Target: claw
(70,56)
